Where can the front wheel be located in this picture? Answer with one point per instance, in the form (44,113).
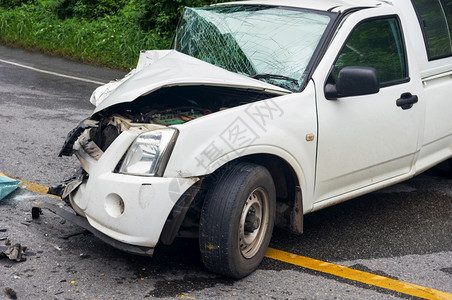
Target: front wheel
(449,161)
(237,220)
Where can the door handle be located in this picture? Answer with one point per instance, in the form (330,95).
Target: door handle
(406,101)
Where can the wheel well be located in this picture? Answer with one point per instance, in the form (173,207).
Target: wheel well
(283,175)
(289,207)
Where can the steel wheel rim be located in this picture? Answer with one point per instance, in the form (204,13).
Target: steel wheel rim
(256,212)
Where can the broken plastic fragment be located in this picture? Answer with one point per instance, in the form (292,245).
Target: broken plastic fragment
(15,252)
(7,185)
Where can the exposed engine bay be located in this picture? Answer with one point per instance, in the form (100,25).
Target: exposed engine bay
(164,107)
(180,104)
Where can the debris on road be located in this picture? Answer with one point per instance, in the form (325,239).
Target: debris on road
(36,212)
(10,292)
(14,253)
(84,256)
(72,234)
(7,185)
(3,238)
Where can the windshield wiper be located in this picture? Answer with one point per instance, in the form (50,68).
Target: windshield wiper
(274,76)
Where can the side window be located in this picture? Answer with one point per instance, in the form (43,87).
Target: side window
(376,43)
(435,17)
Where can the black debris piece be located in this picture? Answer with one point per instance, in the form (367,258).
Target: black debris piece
(10,292)
(73,135)
(56,190)
(36,212)
(72,234)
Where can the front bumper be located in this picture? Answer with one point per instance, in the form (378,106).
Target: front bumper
(130,209)
(82,222)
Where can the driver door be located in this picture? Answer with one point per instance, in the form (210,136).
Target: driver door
(368,139)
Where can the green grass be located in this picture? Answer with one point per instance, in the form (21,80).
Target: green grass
(111,41)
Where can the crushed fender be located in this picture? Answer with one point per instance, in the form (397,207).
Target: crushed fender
(7,186)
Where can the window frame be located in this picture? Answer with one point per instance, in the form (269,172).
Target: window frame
(424,33)
(403,46)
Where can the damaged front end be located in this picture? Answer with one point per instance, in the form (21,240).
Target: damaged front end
(119,182)
(124,147)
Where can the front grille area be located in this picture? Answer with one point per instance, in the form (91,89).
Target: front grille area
(103,136)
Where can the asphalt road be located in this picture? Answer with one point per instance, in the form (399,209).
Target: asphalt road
(403,232)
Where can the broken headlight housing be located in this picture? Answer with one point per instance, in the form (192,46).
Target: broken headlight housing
(149,153)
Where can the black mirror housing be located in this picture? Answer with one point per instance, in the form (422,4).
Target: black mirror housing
(354,81)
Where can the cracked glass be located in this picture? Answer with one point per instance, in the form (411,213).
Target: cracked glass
(271,44)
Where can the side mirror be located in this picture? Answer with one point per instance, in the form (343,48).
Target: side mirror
(354,81)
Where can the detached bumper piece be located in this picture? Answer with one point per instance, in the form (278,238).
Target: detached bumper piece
(74,134)
(82,222)
(64,189)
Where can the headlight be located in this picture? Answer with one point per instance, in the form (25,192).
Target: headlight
(148,152)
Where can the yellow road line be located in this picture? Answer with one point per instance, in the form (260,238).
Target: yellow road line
(359,276)
(33,187)
(317,265)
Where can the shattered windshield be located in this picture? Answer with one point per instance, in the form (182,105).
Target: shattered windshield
(271,44)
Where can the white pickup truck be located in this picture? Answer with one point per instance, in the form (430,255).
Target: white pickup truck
(261,112)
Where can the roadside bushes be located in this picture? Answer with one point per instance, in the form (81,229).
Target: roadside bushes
(14,3)
(104,32)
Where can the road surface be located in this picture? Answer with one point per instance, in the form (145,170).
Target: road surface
(402,233)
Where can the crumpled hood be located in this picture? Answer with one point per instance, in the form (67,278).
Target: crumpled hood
(165,68)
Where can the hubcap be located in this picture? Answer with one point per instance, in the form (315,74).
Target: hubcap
(253,223)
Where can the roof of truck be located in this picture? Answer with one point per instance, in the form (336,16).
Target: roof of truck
(322,5)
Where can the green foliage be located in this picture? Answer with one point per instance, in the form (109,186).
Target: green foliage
(160,15)
(111,41)
(105,32)
(83,9)
(14,3)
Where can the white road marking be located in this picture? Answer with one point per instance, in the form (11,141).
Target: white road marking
(52,73)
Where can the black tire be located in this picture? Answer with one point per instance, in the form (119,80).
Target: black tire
(237,220)
(449,161)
